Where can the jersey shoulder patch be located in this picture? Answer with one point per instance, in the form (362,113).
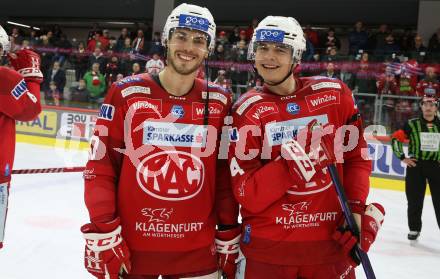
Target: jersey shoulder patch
(246,101)
(322,83)
(139,84)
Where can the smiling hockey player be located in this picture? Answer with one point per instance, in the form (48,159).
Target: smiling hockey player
(291,214)
(153,187)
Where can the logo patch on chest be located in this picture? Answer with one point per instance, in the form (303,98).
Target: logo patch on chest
(323,99)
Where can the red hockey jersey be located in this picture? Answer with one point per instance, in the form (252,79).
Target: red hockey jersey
(154,164)
(285,223)
(18,101)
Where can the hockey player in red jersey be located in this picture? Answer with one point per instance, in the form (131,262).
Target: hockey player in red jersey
(154,188)
(19,100)
(292,220)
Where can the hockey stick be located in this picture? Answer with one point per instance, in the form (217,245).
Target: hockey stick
(366,264)
(49,170)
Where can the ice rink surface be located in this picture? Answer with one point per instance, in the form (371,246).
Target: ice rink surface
(43,239)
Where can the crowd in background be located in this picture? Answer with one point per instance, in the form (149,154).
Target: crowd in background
(375,61)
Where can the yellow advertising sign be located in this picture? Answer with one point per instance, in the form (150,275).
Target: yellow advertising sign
(45,124)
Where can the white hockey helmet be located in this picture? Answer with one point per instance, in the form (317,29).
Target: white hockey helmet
(279,29)
(4,40)
(191,17)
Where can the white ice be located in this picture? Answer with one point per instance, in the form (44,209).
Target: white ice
(46,211)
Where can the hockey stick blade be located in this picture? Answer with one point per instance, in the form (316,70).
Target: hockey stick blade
(365,260)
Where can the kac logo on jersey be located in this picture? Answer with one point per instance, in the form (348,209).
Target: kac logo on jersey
(171,175)
(177,111)
(269,35)
(293,108)
(194,22)
(106,112)
(19,90)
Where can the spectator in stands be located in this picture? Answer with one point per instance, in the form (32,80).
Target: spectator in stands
(95,29)
(234,37)
(406,41)
(119,77)
(312,36)
(65,47)
(330,71)
(52,95)
(112,69)
(243,36)
(358,39)
(364,81)
(222,38)
(95,83)
(57,76)
(34,39)
(347,74)
(154,65)
(156,45)
(418,51)
(250,30)
(429,85)
(332,55)
(386,83)
(135,69)
(79,94)
(98,57)
(310,51)
(15,36)
(51,38)
(434,46)
(57,32)
(97,42)
(105,39)
(391,48)
(139,44)
(240,78)
(80,60)
(223,81)
(25,44)
(46,56)
(220,55)
(120,42)
(405,88)
(377,40)
(330,40)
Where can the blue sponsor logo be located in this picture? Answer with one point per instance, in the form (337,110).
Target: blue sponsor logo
(293,108)
(19,89)
(233,134)
(194,22)
(177,111)
(128,80)
(270,35)
(106,112)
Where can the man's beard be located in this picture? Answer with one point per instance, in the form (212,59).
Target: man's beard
(181,70)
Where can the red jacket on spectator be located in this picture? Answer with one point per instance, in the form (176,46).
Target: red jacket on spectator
(99,41)
(386,84)
(428,87)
